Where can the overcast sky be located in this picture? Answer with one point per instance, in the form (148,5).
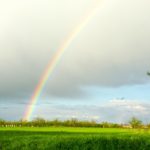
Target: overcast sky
(107,60)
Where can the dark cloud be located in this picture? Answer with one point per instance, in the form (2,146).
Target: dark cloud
(111,51)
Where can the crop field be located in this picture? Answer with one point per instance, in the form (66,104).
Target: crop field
(69,138)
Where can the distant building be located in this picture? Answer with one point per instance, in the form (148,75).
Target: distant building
(128,126)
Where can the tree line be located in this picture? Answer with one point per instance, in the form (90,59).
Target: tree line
(41,122)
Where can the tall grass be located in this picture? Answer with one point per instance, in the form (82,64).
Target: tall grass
(73,139)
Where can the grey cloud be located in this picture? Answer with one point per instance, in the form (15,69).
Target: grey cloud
(112,50)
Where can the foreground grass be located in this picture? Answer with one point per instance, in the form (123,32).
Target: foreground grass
(63,138)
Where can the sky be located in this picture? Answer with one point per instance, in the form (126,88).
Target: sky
(101,75)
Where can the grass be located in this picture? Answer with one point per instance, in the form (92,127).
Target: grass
(69,138)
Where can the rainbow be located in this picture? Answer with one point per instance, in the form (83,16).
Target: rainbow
(54,61)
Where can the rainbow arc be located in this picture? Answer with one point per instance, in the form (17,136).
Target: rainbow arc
(55,60)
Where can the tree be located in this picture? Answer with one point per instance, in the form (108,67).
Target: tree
(135,123)
(148,73)
(39,121)
(2,122)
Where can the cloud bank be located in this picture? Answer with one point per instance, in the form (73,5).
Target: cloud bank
(111,51)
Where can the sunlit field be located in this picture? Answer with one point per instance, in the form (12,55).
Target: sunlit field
(69,138)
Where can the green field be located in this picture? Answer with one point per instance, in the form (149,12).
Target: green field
(69,138)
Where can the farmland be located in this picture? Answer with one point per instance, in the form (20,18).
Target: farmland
(74,138)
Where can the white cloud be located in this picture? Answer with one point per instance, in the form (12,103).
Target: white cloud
(113,111)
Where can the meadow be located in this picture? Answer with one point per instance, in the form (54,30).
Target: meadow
(73,138)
